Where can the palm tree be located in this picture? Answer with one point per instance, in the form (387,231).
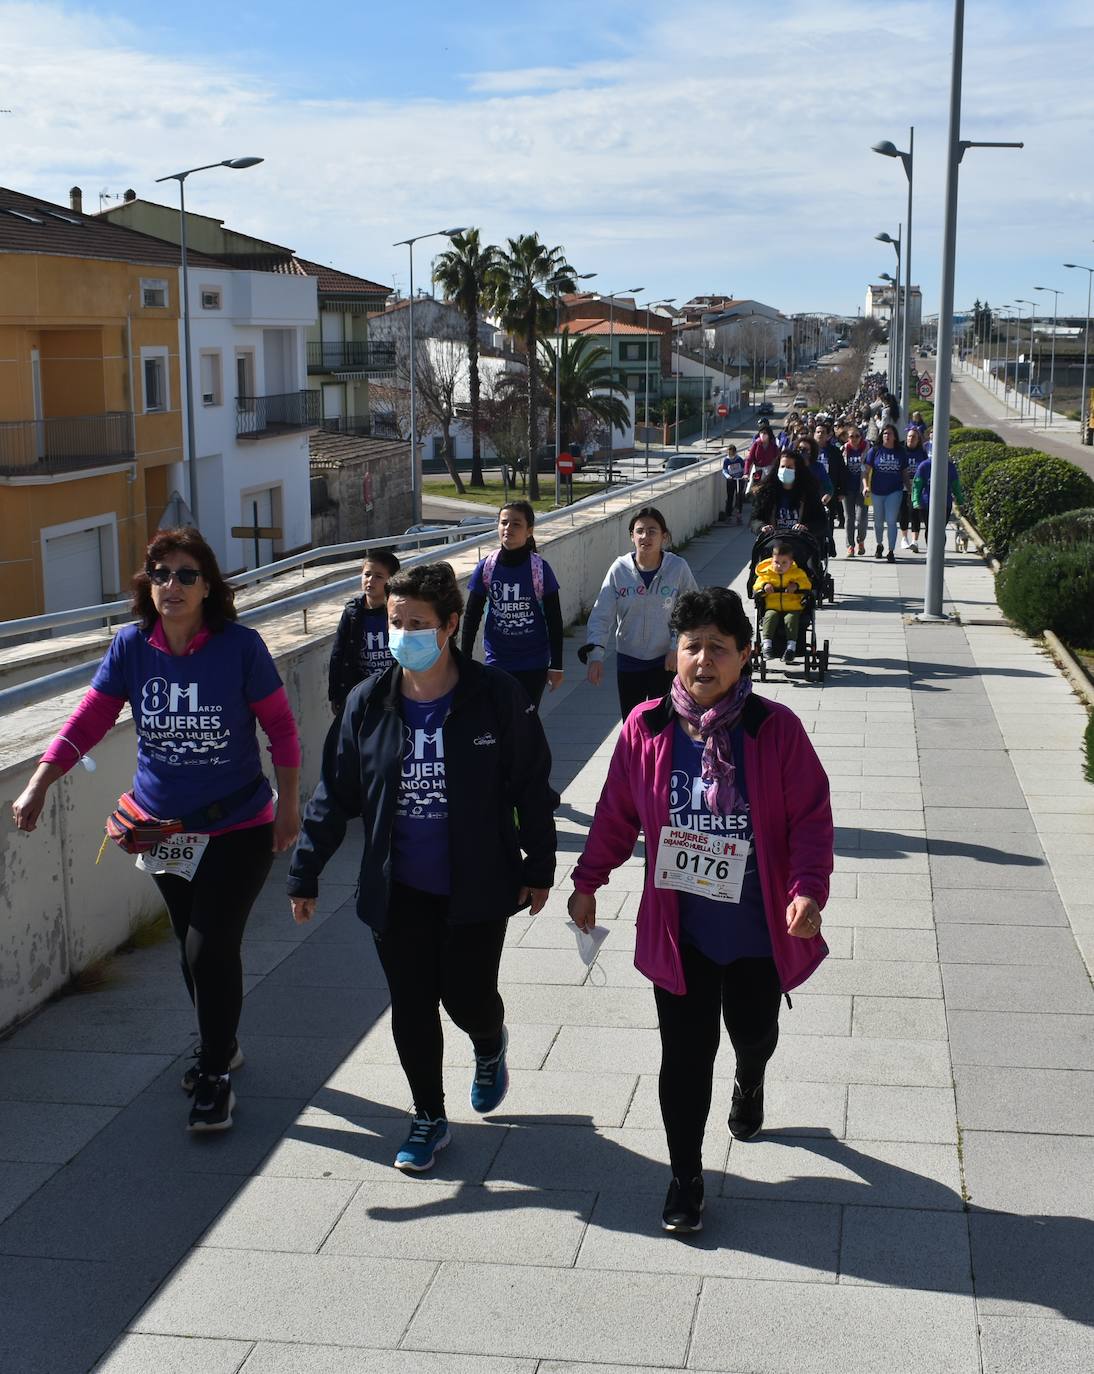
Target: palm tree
(465,273)
(586,383)
(526,311)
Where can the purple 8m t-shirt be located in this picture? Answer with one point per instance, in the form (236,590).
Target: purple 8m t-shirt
(419,838)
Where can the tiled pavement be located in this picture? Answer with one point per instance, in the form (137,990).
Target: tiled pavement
(921,1199)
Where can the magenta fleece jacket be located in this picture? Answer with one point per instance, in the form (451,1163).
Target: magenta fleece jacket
(791,821)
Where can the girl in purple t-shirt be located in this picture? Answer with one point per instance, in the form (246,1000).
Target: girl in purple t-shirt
(884,469)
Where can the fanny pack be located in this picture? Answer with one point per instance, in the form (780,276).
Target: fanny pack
(134,830)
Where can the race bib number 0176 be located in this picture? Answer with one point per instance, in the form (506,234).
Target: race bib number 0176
(179,855)
(704,864)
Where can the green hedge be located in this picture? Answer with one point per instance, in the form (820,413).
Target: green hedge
(969,434)
(1073,527)
(973,460)
(1088,745)
(1015,493)
(1050,587)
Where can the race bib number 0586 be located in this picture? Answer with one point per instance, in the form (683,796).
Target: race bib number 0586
(179,854)
(704,864)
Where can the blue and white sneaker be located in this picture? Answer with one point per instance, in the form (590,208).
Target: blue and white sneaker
(427,1136)
(491,1081)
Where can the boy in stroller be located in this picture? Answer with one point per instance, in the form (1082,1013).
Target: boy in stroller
(782,582)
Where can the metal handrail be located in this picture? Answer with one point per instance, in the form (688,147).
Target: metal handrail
(351,353)
(54,684)
(259,416)
(65,443)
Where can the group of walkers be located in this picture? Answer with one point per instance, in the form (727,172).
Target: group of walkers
(444,762)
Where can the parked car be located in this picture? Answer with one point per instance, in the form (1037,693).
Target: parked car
(801,402)
(441,530)
(765,408)
(681,460)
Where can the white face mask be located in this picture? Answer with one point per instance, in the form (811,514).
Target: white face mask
(786,476)
(588,941)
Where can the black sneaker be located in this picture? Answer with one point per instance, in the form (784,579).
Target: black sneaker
(879,552)
(890,557)
(213,1103)
(193,1073)
(683,1206)
(746,1111)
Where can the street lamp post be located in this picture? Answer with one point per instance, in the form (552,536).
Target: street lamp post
(1006,354)
(554,284)
(1084,400)
(1052,366)
(190,462)
(610,298)
(649,307)
(415,484)
(887,149)
(956,147)
(1019,300)
(896,381)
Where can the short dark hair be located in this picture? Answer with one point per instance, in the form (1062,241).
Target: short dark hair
(432,582)
(648,513)
(716,606)
(386,559)
(781,546)
(219,605)
(528,511)
(814,447)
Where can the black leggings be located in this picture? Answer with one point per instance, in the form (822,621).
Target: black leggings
(534,681)
(735,495)
(650,684)
(745,994)
(429,964)
(208,915)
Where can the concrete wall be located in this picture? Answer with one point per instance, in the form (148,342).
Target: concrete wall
(59,911)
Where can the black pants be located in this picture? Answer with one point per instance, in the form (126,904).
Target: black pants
(745,994)
(735,495)
(208,915)
(534,681)
(919,520)
(651,684)
(429,964)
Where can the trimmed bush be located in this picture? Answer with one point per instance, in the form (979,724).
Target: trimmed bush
(969,434)
(1088,746)
(1073,527)
(1050,587)
(1017,492)
(974,459)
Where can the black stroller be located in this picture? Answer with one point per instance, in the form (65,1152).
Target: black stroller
(810,555)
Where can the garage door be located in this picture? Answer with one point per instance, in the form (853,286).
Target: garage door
(73,570)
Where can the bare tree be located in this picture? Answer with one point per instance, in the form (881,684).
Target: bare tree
(757,344)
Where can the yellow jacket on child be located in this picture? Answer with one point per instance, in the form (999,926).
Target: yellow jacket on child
(780,599)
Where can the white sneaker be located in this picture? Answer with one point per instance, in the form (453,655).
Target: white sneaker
(904,543)
(767,650)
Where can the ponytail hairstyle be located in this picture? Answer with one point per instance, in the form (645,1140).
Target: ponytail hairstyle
(527,510)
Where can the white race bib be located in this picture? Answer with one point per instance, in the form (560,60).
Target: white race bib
(178,855)
(703,863)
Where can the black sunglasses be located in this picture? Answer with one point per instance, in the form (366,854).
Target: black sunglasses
(161,575)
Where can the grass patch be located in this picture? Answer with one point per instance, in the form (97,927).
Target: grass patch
(494,493)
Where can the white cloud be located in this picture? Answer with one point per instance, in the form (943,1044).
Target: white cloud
(726,147)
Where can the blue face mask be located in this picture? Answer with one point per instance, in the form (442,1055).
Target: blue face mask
(786,476)
(416,650)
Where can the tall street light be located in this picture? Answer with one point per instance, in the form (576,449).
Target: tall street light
(1084,403)
(237,164)
(956,148)
(554,283)
(1052,367)
(611,299)
(896,381)
(1006,353)
(415,483)
(887,149)
(1019,300)
(649,307)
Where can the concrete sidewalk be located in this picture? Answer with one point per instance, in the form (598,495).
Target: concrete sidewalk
(930,1107)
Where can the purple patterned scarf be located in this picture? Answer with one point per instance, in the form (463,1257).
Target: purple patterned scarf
(719,770)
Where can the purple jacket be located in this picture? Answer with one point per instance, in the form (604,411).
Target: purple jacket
(791,821)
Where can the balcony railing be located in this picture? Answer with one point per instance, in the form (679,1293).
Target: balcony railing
(376,426)
(30,448)
(357,356)
(261,417)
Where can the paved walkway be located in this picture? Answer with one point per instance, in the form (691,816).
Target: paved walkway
(921,1199)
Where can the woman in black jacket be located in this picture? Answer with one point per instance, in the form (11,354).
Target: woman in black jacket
(789,498)
(448,768)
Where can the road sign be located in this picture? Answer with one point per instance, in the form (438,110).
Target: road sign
(566,464)
(1037,391)
(723,411)
(925,388)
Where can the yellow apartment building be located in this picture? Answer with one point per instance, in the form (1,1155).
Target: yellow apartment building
(90,402)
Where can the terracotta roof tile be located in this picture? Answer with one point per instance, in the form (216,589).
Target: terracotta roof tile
(341,283)
(608,327)
(332,450)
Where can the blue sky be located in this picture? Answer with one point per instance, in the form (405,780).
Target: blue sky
(710,145)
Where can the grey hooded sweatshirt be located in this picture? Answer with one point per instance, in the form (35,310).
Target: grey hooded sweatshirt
(630,617)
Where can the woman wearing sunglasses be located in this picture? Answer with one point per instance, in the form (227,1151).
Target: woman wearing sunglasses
(197,681)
